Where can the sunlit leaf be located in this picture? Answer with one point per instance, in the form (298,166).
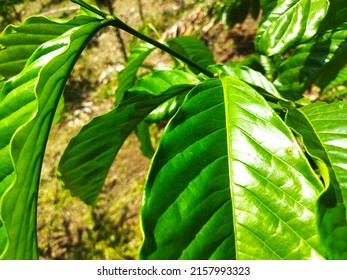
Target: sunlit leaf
(248,75)
(323,128)
(289,23)
(317,62)
(273,188)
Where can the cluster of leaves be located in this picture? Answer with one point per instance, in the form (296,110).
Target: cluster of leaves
(247,168)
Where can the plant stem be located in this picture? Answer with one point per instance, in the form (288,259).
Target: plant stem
(91,8)
(121,25)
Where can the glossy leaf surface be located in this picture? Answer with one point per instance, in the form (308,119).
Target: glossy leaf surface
(159,81)
(289,23)
(17,43)
(273,187)
(187,208)
(28,103)
(323,128)
(248,75)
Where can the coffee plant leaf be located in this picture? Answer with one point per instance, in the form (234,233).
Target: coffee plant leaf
(316,62)
(127,76)
(89,155)
(273,187)
(194,49)
(322,127)
(17,43)
(248,75)
(187,196)
(291,22)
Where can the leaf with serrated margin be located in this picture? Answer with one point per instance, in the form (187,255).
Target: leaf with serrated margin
(88,157)
(17,43)
(27,105)
(273,188)
(187,208)
(291,22)
(323,129)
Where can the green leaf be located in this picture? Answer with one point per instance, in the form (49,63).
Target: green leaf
(291,22)
(27,105)
(273,187)
(337,15)
(189,217)
(85,163)
(159,81)
(17,43)
(323,128)
(142,133)
(127,77)
(341,79)
(235,12)
(248,75)
(58,112)
(317,62)
(156,83)
(194,49)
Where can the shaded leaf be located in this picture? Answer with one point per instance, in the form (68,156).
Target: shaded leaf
(336,16)
(236,12)
(85,163)
(340,80)
(317,62)
(156,83)
(142,133)
(273,187)
(190,217)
